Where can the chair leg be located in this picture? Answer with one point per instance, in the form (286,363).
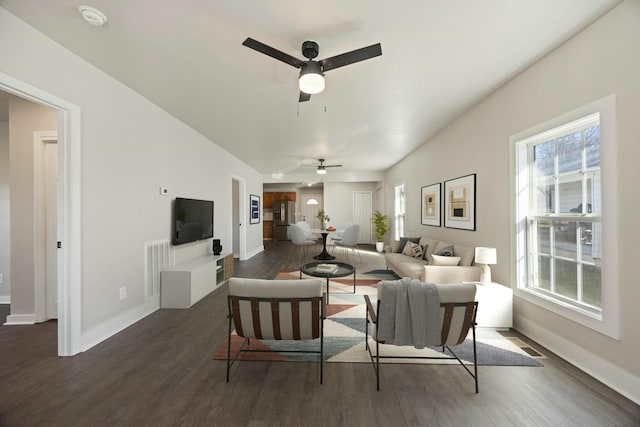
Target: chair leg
(377,366)
(475,359)
(229,345)
(321,348)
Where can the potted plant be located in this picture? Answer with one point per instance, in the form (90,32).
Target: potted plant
(380,223)
(322,217)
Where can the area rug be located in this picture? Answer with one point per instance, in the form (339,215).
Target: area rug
(383,274)
(344,335)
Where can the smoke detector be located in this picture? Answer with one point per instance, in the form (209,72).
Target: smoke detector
(93,16)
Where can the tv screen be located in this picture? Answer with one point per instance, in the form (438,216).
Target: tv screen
(192,220)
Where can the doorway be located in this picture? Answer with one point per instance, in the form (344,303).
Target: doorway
(68,260)
(362,213)
(238,217)
(311,204)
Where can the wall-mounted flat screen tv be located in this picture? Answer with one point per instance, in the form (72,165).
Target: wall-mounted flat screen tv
(192,220)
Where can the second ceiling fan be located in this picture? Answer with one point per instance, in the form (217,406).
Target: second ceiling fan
(311,80)
(321,169)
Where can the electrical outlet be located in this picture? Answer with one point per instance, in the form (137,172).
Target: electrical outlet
(1,278)
(123,292)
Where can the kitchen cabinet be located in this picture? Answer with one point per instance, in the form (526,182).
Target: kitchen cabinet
(267,200)
(267,229)
(268,197)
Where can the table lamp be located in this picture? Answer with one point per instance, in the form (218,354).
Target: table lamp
(485,256)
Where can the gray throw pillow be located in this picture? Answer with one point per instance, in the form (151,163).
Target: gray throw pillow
(446,251)
(403,241)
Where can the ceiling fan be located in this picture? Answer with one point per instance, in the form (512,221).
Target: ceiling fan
(322,168)
(311,80)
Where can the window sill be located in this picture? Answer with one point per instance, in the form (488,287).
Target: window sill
(598,323)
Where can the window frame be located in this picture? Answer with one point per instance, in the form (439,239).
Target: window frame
(399,216)
(608,320)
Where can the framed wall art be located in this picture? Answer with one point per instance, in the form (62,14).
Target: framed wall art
(460,203)
(430,202)
(254,206)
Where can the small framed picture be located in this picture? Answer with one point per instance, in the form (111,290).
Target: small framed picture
(254,207)
(430,202)
(460,203)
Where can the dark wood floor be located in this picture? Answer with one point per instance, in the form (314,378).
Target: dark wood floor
(160,372)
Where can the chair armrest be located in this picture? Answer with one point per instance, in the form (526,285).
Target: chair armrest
(370,310)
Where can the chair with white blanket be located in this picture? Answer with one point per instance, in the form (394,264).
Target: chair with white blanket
(409,312)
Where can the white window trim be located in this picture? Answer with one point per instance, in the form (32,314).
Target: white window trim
(609,323)
(395,215)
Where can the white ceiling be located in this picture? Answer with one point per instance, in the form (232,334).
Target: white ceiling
(438,59)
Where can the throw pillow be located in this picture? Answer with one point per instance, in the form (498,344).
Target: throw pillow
(413,250)
(444,260)
(403,241)
(424,253)
(446,251)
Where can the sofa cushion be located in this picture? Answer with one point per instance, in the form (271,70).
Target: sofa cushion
(444,260)
(429,246)
(466,254)
(413,250)
(403,241)
(413,269)
(445,251)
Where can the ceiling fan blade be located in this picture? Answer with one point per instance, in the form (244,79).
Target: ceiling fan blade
(274,53)
(332,166)
(304,97)
(351,57)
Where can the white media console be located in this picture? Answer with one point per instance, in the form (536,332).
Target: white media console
(185,284)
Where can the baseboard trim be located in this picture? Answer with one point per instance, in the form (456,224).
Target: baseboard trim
(105,330)
(20,319)
(622,381)
(5,299)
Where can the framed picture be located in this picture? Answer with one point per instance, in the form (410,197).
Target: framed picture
(460,203)
(254,209)
(430,202)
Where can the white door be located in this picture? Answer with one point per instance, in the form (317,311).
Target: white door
(310,211)
(362,213)
(235,217)
(51,229)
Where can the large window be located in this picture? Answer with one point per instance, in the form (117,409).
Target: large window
(399,222)
(560,232)
(563,220)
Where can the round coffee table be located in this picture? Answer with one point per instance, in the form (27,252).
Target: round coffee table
(344,269)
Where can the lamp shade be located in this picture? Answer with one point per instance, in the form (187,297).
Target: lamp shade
(486,255)
(321,170)
(311,80)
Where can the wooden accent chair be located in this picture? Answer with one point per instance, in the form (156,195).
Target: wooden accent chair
(276,310)
(457,316)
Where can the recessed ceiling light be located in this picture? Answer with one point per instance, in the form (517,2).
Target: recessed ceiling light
(93,16)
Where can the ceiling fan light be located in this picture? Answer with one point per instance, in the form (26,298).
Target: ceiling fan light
(321,170)
(311,80)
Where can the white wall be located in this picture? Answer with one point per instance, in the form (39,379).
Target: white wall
(5,260)
(601,60)
(338,200)
(130,148)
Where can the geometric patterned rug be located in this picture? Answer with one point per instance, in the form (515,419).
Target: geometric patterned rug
(344,334)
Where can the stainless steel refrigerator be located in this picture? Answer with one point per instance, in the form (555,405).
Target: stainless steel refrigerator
(283,217)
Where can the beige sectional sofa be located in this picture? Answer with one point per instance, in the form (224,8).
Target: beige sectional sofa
(426,269)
